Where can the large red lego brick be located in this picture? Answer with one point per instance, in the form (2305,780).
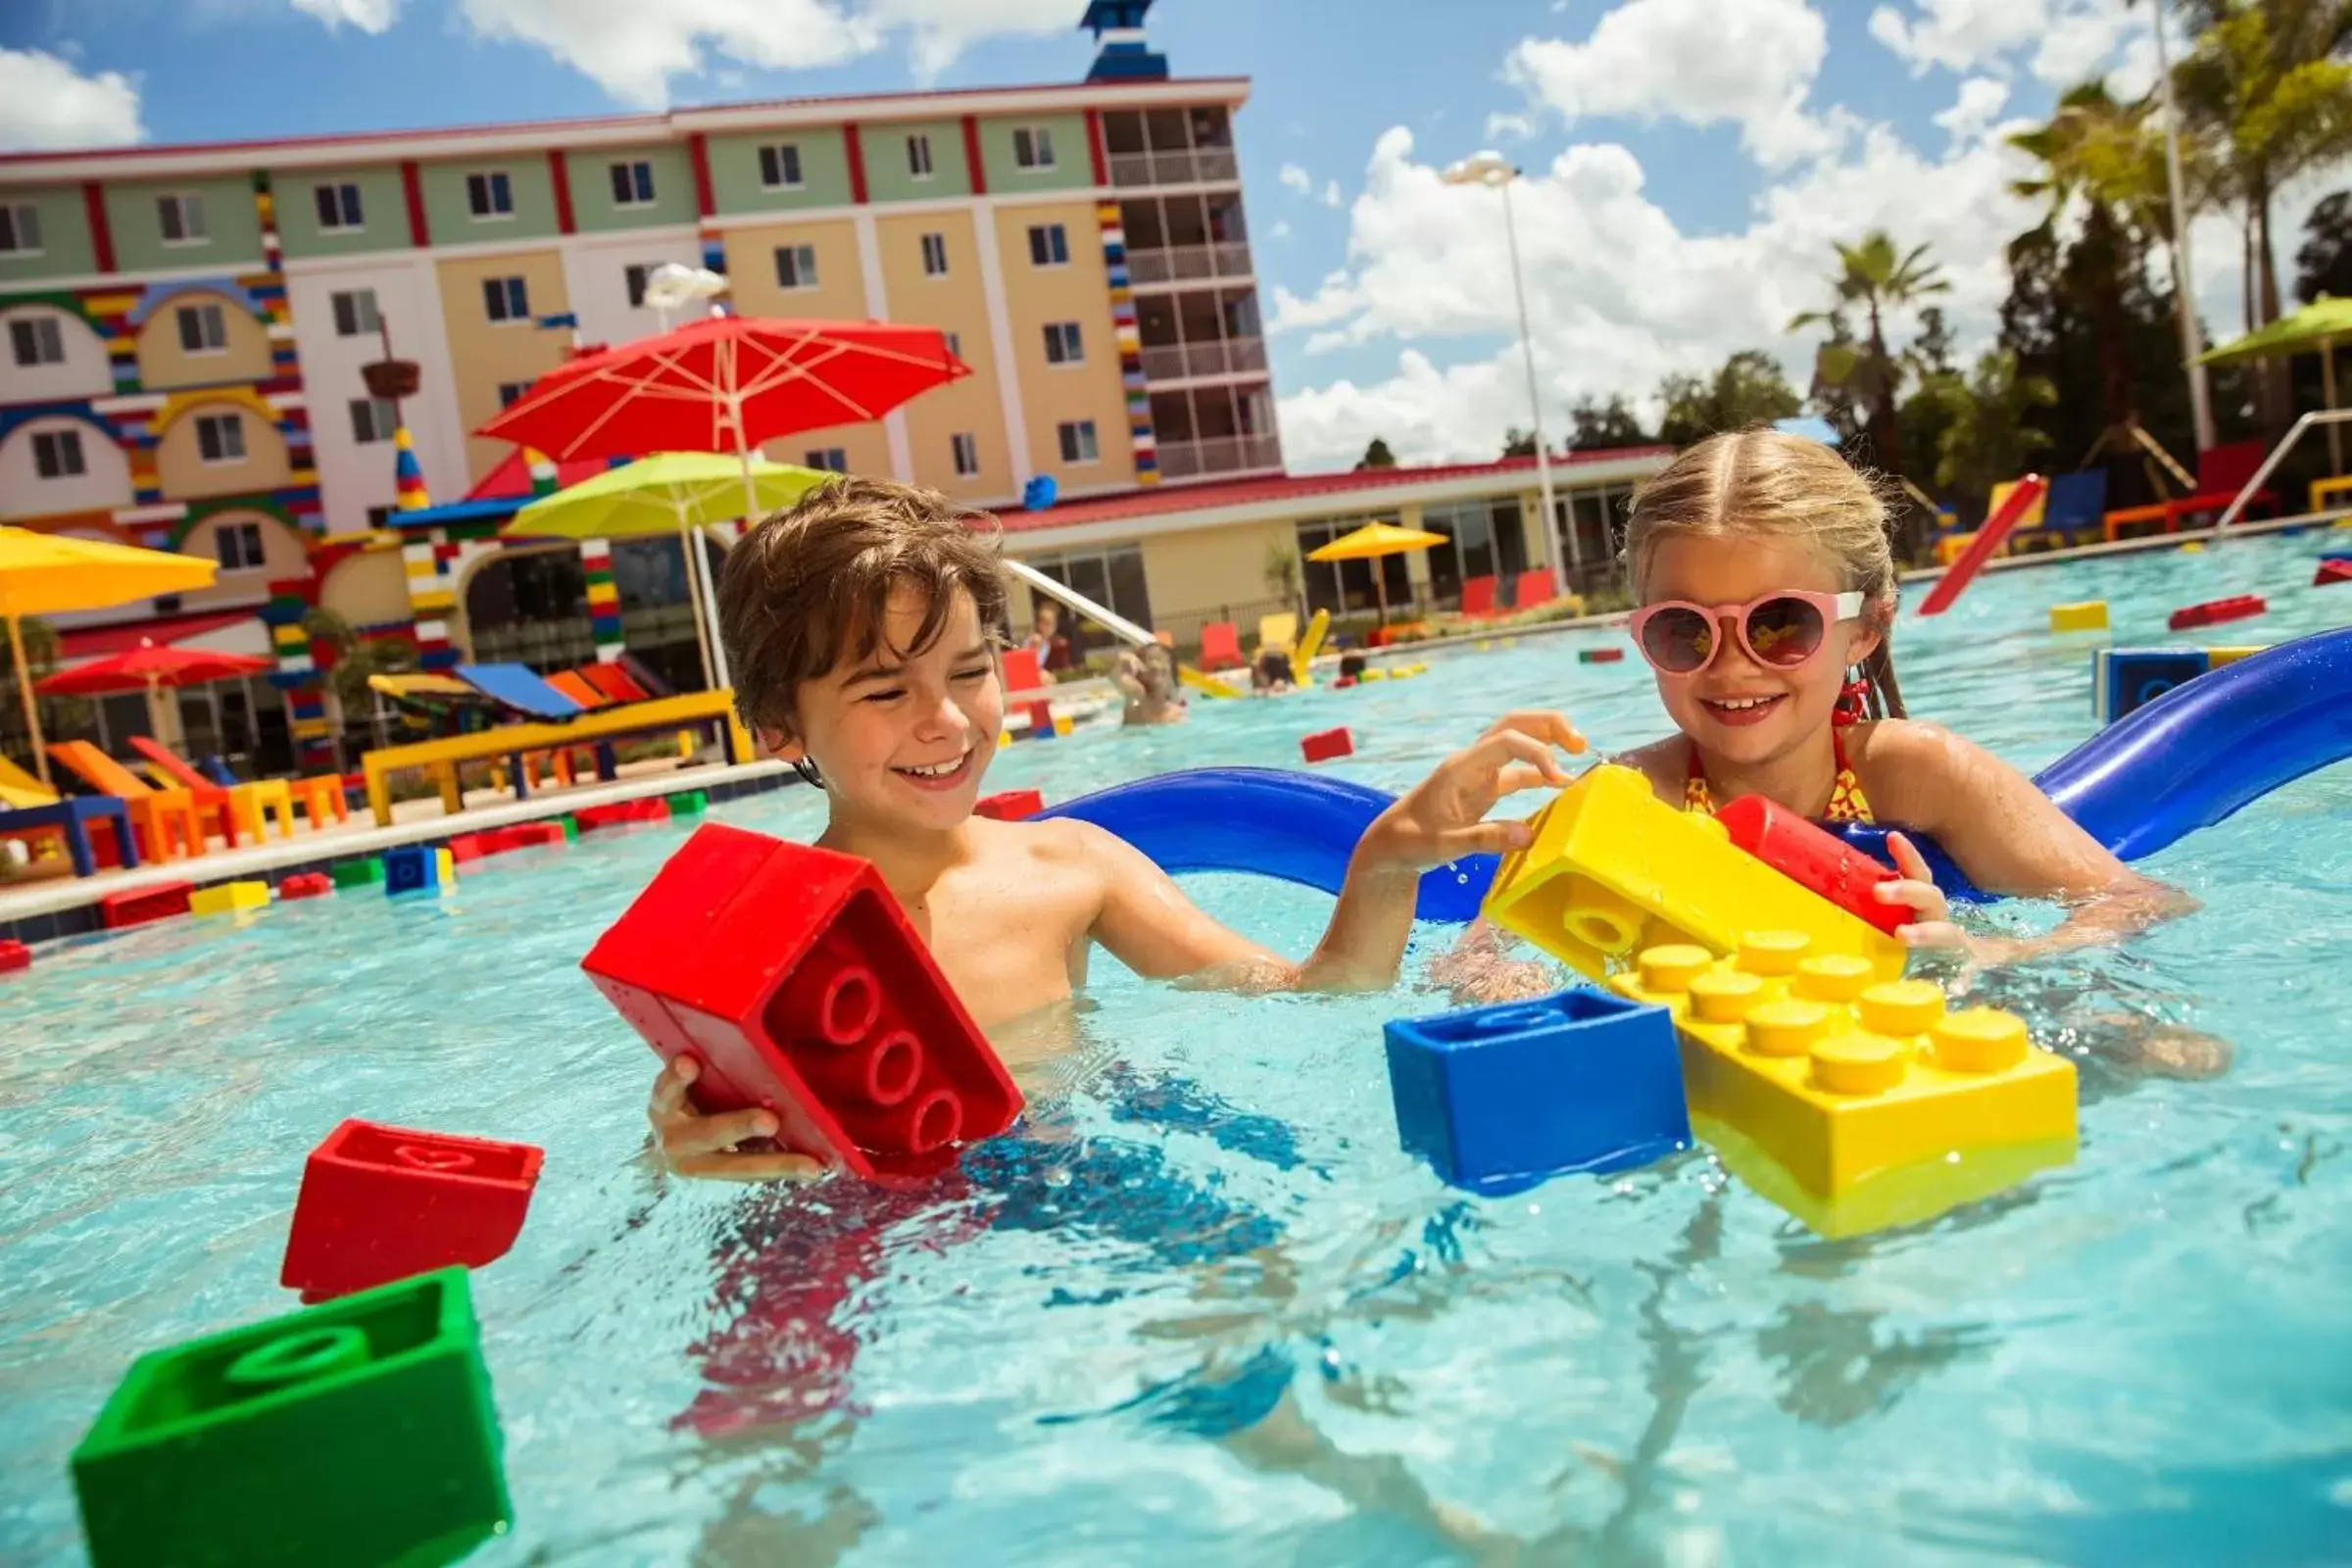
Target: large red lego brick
(138,905)
(379,1204)
(791,974)
(1325,745)
(306,885)
(14,955)
(524,835)
(1823,863)
(2238,607)
(2332,571)
(1012,805)
(651,808)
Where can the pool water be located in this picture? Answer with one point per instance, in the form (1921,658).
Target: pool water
(1206,1311)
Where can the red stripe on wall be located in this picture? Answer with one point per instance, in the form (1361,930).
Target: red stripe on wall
(857,148)
(102,234)
(421,233)
(1093,146)
(559,173)
(971,155)
(698,148)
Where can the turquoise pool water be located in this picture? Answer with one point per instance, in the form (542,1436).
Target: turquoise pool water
(1206,1312)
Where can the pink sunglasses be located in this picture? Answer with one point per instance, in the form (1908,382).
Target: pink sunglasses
(1780,630)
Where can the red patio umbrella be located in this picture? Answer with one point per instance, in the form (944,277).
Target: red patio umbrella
(149,668)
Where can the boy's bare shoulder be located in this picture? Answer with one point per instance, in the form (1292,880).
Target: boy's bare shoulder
(1058,844)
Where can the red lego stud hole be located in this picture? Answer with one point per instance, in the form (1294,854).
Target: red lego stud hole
(425,1157)
(848,1006)
(894,1068)
(938,1117)
(298,1357)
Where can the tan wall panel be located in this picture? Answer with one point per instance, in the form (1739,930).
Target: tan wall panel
(282,555)
(840,291)
(165,364)
(368,589)
(1080,292)
(1194,574)
(955,302)
(184,474)
(484,354)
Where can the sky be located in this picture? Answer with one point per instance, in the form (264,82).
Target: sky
(1686,164)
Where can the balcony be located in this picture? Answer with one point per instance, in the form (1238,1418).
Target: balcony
(1188,264)
(1198,166)
(1230,454)
(1192,362)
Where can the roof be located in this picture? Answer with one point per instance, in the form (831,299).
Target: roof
(512,479)
(1363,486)
(98,642)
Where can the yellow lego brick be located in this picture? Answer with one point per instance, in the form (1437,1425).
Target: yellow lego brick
(2088,616)
(229,897)
(2215,658)
(1614,869)
(1851,1102)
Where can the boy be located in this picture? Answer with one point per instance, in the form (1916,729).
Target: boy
(1147,678)
(856,624)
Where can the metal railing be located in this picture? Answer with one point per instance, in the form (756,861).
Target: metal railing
(1187,264)
(1183,362)
(1232,454)
(2318,417)
(1198,166)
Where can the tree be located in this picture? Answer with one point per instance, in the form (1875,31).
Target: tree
(1598,426)
(1518,443)
(355,657)
(1282,572)
(1835,402)
(1988,434)
(1376,455)
(1747,389)
(2324,265)
(1875,277)
(1932,352)
(40,648)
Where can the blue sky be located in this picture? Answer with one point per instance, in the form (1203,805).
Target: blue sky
(1688,160)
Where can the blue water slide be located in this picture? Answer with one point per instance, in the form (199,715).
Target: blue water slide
(2186,761)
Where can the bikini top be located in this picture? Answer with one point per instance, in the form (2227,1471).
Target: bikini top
(1847,802)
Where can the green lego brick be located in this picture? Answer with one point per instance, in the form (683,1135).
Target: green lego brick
(689,803)
(358,873)
(571,829)
(361,1430)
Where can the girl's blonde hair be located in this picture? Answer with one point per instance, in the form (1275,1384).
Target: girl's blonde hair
(1765,482)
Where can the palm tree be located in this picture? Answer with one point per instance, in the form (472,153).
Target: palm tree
(1875,276)
(1988,434)
(356,658)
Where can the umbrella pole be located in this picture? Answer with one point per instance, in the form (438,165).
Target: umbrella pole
(694,593)
(32,711)
(1380,591)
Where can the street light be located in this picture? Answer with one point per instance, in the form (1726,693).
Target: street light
(2185,297)
(1496,171)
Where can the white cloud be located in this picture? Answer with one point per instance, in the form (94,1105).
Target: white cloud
(368,16)
(1331,193)
(1704,62)
(2082,39)
(1298,179)
(1981,102)
(2070,40)
(1509,127)
(45,103)
(1281,228)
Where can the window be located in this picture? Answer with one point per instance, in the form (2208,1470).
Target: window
(1078,441)
(780,167)
(372,419)
(935,255)
(37,340)
(338,207)
(1032,147)
(833,460)
(203,329)
(796,267)
(505,299)
(955,344)
(19,229)
(1064,346)
(509,391)
(355,311)
(918,157)
(182,219)
(632,184)
(57,453)
(1112,577)
(967,454)
(636,274)
(238,545)
(489,195)
(1049,245)
(379,517)
(220,437)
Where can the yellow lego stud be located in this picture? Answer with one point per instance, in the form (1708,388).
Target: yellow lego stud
(2194,547)
(1858,1064)
(1981,1040)
(2088,616)
(1787,1028)
(229,897)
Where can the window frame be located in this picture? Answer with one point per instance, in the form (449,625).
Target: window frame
(781,153)
(243,533)
(495,183)
(963,449)
(359,327)
(383,418)
(638,176)
(16,213)
(829,460)
(797,280)
(41,331)
(1040,139)
(1065,344)
(225,420)
(1074,436)
(182,314)
(325,194)
(935,244)
(504,292)
(62,443)
(919,163)
(634,277)
(184,203)
(1055,240)
(511,393)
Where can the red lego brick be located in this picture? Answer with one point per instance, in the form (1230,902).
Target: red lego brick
(652,808)
(2332,571)
(379,1204)
(1812,859)
(1010,806)
(1326,745)
(2214,611)
(14,955)
(469,847)
(525,835)
(139,906)
(791,974)
(1041,717)
(306,885)
(1600,655)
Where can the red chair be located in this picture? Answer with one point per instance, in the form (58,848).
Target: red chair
(1221,647)
(1534,589)
(2222,472)
(1478,598)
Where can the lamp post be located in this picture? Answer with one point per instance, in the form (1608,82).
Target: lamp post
(1496,171)
(2184,298)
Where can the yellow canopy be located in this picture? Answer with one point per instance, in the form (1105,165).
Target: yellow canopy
(1375,539)
(42,573)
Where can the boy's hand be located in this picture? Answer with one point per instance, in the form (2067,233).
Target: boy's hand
(1443,817)
(695,1145)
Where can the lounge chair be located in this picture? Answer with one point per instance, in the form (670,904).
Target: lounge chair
(2222,472)
(1535,589)
(1221,647)
(1278,630)
(1478,598)
(29,809)
(166,823)
(320,797)
(2075,505)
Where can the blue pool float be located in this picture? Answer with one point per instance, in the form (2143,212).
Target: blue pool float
(2185,760)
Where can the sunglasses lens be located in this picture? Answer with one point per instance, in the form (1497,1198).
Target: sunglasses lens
(1678,641)
(1784,632)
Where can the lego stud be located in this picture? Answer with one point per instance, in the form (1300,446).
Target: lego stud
(847,1005)
(1772,951)
(937,1119)
(299,1357)
(1602,920)
(1901,1007)
(421,1158)
(893,1068)
(1981,1040)
(1670,970)
(1787,1028)
(1724,996)
(1834,977)
(1858,1064)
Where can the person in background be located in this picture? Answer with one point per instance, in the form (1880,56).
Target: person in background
(1046,640)
(1147,678)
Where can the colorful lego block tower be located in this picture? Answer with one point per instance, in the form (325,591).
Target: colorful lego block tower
(1124,55)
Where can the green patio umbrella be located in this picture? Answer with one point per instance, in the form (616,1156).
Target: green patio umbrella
(2312,330)
(668,492)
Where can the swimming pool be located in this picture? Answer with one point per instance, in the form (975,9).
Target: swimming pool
(1208,1313)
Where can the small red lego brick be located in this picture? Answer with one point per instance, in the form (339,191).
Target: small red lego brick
(306,885)
(615,813)
(2238,607)
(528,835)
(1010,806)
(469,847)
(791,974)
(138,905)
(1344,684)
(1812,859)
(1600,655)
(1041,718)
(1325,745)
(379,1204)
(14,955)
(2332,571)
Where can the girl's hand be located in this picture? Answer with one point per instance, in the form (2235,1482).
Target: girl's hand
(1935,928)
(1443,817)
(695,1145)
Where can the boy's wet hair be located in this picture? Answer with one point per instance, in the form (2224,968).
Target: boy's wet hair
(809,589)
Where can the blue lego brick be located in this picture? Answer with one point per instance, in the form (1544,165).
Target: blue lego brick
(2125,679)
(1499,1099)
(416,868)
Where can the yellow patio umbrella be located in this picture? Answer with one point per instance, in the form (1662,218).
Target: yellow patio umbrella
(44,573)
(2312,330)
(669,491)
(1373,541)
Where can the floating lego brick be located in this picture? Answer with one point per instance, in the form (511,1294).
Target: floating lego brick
(365,872)
(1813,859)
(362,1431)
(791,975)
(1600,655)
(2088,616)
(571,826)
(467,848)
(1344,684)
(2213,612)
(523,836)
(229,897)
(2332,571)
(382,1203)
(2125,680)
(304,885)
(1498,1098)
(689,803)
(618,813)
(1064,723)
(2215,658)
(1326,745)
(418,868)
(1613,869)
(1854,1104)
(1012,805)
(14,955)
(138,905)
